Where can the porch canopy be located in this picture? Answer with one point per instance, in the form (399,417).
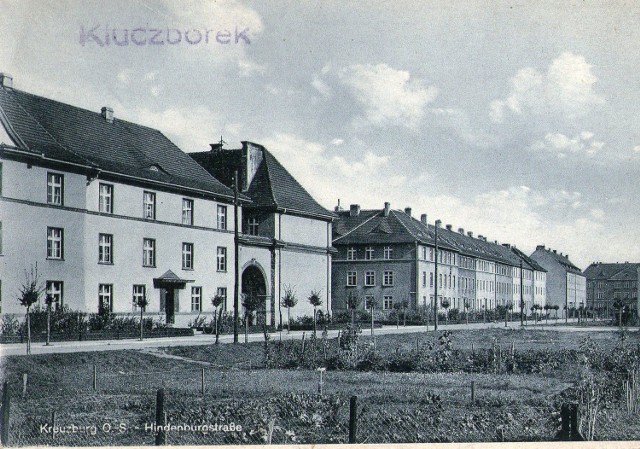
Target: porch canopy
(170,280)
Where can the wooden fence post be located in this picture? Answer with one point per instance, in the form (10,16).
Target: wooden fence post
(6,404)
(353,416)
(25,378)
(95,378)
(202,381)
(53,424)
(473,391)
(161,437)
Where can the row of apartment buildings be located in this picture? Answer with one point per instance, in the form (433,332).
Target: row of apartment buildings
(111,211)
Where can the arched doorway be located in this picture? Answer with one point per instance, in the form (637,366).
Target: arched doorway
(254,288)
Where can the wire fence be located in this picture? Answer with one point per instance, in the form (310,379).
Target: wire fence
(91,406)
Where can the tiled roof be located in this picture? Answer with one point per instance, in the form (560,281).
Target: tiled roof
(272,185)
(610,270)
(373,227)
(561,259)
(67,133)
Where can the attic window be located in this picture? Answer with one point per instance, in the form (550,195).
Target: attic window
(154,168)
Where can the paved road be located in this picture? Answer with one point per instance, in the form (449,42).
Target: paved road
(202,339)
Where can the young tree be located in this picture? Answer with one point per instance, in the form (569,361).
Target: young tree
(353,301)
(141,302)
(288,301)
(49,301)
(30,292)
(467,305)
(371,304)
(250,302)
(556,307)
(397,306)
(445,304)
(315,300)
(216,302)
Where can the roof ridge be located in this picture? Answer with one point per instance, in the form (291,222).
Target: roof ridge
(404,225)
(358,227)
(79,156)
(270,183)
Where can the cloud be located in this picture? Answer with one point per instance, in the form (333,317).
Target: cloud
(389,96)
(321,87)
(337,141)
(567,88)
(326,176)
(636,149)
(558,143)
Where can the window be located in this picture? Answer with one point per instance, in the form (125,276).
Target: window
(370,278)
(0,237)
(430,253)
(222,258)
(139,293)
(105,201)
(0,178)
(187,211)
(148,253)
(187,256)
(430,279)
(55,243)
(55,186)
(105,249)
(222,291)
(351,278)
(369,253)
(196,299)
(387,278)
(54,289)
(252,226)
(222,217)
(387,303)
(388,252)
(424,253)
(149,205)
(424,278)
(105,298)
(368,302)
(351,253)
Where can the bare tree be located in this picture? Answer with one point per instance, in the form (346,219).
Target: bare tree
(30,292)
(289,301)
(216,302)
(315,300)
(49,301)
(141,302)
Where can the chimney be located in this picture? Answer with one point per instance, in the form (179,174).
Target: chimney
(506,245)
(555,252)
(407,210)
(449,227)
(540,247)
(480,237)
(387,207)
(470,234)
(338,207)
(215,146)
(461,231)
(6,80)
(567,256)
(423,219)
(354,210)
(107,114)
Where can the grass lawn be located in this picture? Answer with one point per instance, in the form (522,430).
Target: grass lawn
(393,407)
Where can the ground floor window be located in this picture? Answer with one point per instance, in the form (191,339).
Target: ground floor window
(105,298)
(196,299)
(222,291)
(388,303)
(139,293)
(54,289)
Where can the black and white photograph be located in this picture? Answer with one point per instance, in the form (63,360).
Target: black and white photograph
(240,223)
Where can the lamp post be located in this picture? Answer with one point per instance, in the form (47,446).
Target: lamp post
(435,283)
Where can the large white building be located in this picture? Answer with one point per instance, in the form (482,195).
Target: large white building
(110,210)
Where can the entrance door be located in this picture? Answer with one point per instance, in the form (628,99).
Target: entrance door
(168,304)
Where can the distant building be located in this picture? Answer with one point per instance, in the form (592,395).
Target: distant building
(608,282)
(387,256)
(566,284)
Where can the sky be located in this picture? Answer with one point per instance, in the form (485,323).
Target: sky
(515,120)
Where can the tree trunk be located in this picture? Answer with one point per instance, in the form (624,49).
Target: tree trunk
(314,321)
(216,325)
(288,320)
(28,332)
(48,324)
(141,325)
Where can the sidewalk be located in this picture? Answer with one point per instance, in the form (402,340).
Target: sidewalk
(207,339)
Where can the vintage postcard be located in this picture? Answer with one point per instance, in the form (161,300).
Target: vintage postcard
(319,223)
